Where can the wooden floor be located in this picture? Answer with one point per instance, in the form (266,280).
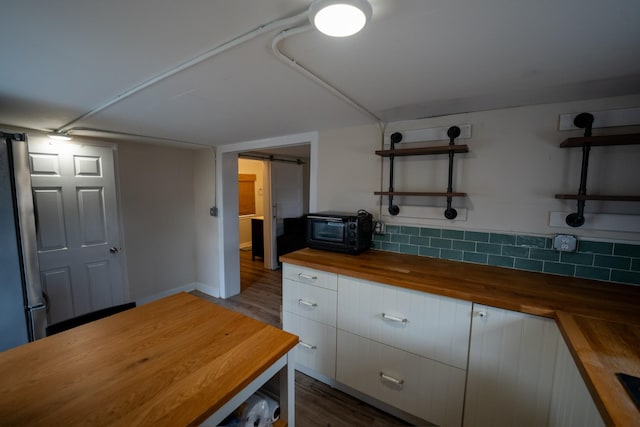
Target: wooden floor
(317,405)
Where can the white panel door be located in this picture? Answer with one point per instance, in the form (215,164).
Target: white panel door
(78,230)
(511,366)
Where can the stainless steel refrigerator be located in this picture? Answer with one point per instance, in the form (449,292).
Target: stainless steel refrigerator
(22,301)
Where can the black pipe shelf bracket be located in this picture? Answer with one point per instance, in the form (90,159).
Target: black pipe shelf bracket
(453,132)
(585,121)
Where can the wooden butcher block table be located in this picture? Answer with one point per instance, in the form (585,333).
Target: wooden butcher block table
(174,362)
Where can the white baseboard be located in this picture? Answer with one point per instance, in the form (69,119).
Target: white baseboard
(186,288)
(209,290)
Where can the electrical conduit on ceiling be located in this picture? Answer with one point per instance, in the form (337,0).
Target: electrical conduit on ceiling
(263,29)
(275,47)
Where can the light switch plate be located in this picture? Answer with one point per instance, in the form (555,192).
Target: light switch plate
(565,243)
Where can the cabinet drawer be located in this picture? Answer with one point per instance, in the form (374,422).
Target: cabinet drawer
(309,301)
(317,347)
(428,325)
(422,387)
(310,276)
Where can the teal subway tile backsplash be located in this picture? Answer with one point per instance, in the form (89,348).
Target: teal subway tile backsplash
(515,251)
(399,238)
(559,268)
(528,264)
(617,262)
(604,248)
(489,248)
(505,239)
(430,232)
(464,245)
(576,258)
(545,254)
(626,250)
(593,272)
(475,257)
(629,277)
(533,242)
(441,243)
(430,252)
(453,234)
(413,231)
(599,260)
(475,236)
(409,249)
(451,254)
(501,261)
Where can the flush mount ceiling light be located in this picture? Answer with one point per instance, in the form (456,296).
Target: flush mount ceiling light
(59,136)
(339,18)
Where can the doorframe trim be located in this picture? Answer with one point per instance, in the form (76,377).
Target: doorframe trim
(227,200)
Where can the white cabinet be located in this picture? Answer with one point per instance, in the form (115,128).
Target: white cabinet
(447,361)
(571,403)
(428,325)
(419,386)
(405,348)
(511,367)
(309,311)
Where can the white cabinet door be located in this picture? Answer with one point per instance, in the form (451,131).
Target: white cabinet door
(310,276)
(309,301)
(316,349)
(511,367)
(422,387)
(571,403)
(428,325)
(309,311)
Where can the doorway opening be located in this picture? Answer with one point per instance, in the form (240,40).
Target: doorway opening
(289,166)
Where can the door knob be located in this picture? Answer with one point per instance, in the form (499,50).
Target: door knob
(114,250)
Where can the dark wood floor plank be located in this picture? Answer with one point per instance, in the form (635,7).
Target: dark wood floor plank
(317,404)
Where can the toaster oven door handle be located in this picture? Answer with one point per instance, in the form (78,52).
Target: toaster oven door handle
(326,218)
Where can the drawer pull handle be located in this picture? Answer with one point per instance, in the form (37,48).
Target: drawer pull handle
(386,316)
(307,277)
(390,379)
(305,345)
(307,303)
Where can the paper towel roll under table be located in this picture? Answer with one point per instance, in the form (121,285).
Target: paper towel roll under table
(259,410)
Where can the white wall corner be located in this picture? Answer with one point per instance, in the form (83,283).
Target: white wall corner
(209,290)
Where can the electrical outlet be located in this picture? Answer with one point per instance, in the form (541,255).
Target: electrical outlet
(565,243)
(378,227)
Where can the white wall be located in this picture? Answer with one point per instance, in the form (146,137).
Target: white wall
(157,204)
(207,258)
(512,171)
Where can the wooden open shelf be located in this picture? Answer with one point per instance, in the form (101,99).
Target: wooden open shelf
(598,197)
(625,139)
(603,140)
(419,193)
(441,149)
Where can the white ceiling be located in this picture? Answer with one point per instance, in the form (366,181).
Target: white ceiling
(416,58)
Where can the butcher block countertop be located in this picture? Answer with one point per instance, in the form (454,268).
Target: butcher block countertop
(600,321)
